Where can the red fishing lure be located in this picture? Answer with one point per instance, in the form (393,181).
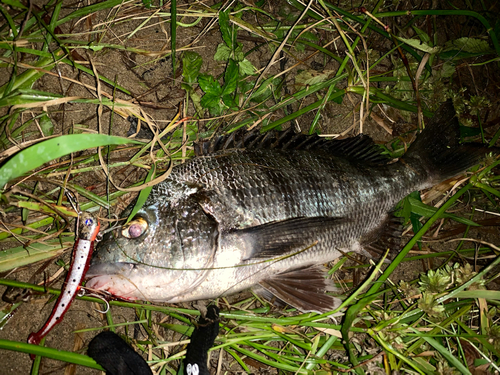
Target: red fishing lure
(82,251)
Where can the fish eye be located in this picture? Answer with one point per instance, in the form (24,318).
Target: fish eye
(135,228)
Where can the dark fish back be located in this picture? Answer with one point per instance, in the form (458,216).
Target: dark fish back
(358,149)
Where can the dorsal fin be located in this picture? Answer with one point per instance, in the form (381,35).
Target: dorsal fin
(358,148)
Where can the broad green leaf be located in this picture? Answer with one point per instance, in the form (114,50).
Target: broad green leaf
(470,45)
(466,131)
(311,77)
(239,55)
(209,85)
(447,70)
(45,151)
(223,52)
(231,78)
(26,96)
(335,97)
(226,29)
(425,365)
(264,89)
(417,44)
(230,101)
(309,36)
(209,101)
(422,35)
(246,68)
(191,65)
(46,125)
(196,102)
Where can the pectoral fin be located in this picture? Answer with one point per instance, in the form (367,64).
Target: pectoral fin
(282,237)
(304,289)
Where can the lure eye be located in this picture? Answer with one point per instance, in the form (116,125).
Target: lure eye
(135,228)
(89,222)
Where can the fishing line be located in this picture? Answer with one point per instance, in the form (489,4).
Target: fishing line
(273,260)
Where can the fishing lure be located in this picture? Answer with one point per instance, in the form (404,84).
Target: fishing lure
(82,251)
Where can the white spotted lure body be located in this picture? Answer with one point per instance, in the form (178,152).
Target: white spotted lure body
(82,252)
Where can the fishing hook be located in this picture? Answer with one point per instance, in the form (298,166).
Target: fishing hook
(98,297)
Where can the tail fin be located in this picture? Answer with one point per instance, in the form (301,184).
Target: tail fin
(437,149)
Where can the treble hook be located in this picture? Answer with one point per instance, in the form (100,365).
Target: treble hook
(76,207)
(112,227)
(98,297)
(72,200)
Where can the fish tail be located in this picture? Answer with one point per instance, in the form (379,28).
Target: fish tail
(437,152)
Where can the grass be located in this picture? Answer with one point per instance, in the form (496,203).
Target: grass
(445,321)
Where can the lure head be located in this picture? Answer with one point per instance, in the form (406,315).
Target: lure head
(88,227)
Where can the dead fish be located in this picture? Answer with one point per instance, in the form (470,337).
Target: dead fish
(268,210)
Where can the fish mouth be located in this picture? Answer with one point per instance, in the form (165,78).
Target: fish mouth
(114,278)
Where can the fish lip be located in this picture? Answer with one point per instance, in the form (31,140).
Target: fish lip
(114,268)
(113,278)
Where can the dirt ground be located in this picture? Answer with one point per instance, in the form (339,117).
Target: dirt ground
(161,95)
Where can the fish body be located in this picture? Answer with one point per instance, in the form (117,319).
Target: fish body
(269,215)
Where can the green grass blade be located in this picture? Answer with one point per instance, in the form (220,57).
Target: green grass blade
(493,295)
(173,31)
(43,152)
(144,194)
(445,353)
(19,256)
(59,355)
(427,211)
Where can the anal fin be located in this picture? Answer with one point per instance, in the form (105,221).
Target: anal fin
(304,289)
(387,236)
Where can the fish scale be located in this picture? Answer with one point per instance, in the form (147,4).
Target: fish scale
(268,210)
(327,187)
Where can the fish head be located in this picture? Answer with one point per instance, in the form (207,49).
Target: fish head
(165,251)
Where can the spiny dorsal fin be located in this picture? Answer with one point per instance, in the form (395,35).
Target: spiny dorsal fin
(359,148)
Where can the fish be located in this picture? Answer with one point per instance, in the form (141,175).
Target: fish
(88,229)
(268,211)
